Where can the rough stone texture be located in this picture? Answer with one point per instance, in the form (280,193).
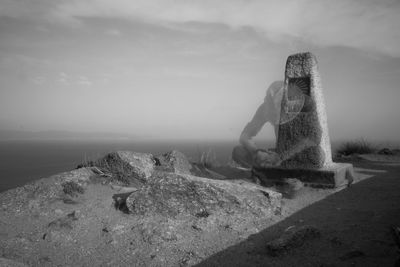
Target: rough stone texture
(333,176)
(80,176)
(64,222)
(304,140)
(292,238)
(172,195)
(174,161)
(127,166)
(10,263)
(141,163)
(38,193)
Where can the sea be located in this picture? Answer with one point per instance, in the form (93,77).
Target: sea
(22,161)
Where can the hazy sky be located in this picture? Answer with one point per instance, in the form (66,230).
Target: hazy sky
(193,68)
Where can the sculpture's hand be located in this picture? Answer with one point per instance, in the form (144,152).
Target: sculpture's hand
(264,158)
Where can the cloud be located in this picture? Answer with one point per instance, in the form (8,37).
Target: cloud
(182,73)
(84,81)
(113,32)
(63,78)
(39,80)
(363,24)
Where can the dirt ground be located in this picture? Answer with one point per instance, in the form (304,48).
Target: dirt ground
(354,223)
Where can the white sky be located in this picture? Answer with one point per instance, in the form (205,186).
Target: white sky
(193,69)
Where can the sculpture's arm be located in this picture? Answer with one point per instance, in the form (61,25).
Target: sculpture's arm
(253,128)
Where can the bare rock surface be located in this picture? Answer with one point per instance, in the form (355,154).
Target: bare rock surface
(174,161)
(173,195)
(10,263)
(171,218)
(127,167)
(33,196)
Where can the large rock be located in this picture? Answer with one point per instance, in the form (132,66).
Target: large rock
(128,167)
(174,161)
(171,195)
(43,191)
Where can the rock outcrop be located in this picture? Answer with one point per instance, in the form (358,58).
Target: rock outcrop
(41,192)
(171,194)
(173,161)
(75,218)
(127,167)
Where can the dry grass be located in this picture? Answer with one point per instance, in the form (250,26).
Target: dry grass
(72,188)
(208,159)
(110,165)
(356,147)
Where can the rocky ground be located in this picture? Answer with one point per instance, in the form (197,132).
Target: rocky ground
(132,209)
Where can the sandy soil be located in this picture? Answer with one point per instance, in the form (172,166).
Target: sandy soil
(354,224)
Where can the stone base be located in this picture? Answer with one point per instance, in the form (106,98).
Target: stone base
(333,176)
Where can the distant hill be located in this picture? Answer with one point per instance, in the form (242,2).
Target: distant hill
(62,135)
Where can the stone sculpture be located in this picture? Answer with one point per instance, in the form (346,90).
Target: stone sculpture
(303,139)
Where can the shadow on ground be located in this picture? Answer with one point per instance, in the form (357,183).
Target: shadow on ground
(355,226)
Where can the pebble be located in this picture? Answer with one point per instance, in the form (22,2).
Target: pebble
(58,211)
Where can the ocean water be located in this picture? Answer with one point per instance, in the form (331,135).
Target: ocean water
(25,161)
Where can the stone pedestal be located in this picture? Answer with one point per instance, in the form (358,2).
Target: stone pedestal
(332,176)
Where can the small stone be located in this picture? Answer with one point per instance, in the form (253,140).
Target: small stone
(292,238)
(58,211)
(168,236)
(195,227)
(69,201)
(119,228)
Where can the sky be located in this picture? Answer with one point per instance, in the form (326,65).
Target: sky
(193,69)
